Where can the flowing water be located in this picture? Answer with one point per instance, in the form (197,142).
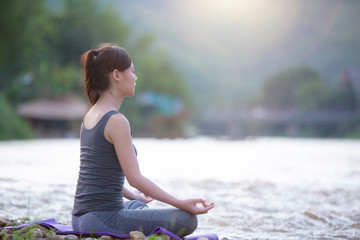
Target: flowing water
(266,188)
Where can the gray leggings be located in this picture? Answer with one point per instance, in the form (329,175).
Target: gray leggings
(136,216)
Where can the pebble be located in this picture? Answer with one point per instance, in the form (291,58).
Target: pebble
(136,235)
(36,233)
(3,223)
(105,238)
(71,237)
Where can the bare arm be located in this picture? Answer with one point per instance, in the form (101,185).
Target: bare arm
(117,131)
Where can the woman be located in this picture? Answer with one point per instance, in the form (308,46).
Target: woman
(108,156)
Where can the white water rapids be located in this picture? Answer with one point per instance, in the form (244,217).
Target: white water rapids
(266,188)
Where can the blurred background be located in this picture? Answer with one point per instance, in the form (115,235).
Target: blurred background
(251,104)
(232,68)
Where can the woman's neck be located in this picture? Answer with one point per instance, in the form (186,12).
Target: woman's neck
(110,101)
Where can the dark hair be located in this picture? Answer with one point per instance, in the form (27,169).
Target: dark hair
(98,63)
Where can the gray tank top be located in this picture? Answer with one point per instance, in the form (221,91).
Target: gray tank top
(101,179)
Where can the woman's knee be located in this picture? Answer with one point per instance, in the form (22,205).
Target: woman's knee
(188,222)
(191,220)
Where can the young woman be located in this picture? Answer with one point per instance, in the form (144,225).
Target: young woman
(107,156)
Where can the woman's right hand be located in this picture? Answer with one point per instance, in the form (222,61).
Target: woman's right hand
(195,206)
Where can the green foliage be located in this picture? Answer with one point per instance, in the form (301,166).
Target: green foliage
(303,88)
(11,126)
(24,25)
(155,71)
(42,43)
(299,87)
(56,80)
(83,24)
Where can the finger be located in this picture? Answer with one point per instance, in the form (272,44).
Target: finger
(199,200)
(202,211)
(206,209)
(148,199)
(210,206)
(207,204)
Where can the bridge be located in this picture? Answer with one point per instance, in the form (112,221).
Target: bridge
(231,122)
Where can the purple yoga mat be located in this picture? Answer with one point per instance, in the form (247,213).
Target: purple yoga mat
(67,229)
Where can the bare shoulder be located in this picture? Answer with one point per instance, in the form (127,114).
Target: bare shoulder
(118,118)
(119,122)
(117,126)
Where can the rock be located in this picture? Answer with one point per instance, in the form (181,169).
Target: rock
(136,235)
(3,222)
(71,237)
(50,235)
(42,228)
(60,237)
(106,238)
(36,233)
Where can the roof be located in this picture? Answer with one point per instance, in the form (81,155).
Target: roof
(58,108)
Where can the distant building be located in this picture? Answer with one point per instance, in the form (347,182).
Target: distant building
(54,117)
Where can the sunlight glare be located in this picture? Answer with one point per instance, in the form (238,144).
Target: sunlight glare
(255,24)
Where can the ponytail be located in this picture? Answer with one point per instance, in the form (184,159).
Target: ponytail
(98,63)
(88,59)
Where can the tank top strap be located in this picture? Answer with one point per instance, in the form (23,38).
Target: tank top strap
(104,120)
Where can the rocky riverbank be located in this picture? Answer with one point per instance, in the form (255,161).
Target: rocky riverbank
(38,232)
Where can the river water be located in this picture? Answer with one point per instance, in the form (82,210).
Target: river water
(265,188)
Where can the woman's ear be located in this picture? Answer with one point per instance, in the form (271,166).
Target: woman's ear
(116,75)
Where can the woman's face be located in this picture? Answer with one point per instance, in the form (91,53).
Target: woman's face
(129,80)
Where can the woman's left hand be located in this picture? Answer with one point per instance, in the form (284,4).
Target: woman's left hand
(142,197)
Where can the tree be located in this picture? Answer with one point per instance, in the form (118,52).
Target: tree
(11,125)
(298,87)
(24,26)
(42,42)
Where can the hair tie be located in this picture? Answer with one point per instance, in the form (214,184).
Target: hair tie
(96,53)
